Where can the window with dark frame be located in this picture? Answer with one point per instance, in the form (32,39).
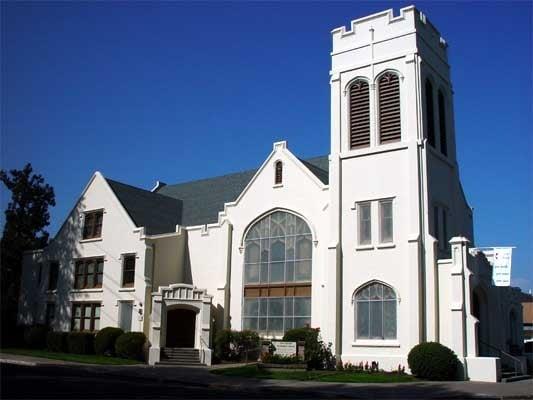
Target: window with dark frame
(89,273)
(92,227)
(85,316)
(40,274)
(53,275)
(50,314)
(279,173)
(128,270)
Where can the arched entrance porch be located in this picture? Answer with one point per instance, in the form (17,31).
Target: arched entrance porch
(181,317)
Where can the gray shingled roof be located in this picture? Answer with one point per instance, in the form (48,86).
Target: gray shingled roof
(192,203)
(203,199)
(157,213)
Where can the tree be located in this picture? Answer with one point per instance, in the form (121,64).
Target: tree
(27,217)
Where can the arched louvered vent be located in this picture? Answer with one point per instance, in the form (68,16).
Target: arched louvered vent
(278,179)
(389,108)
(359,115)
(430,113)
(442,124)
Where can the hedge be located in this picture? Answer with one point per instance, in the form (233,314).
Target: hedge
(57,341)
(80,342)
(104,341)
(35,336)
(130,345)
(433,361)
(234,345)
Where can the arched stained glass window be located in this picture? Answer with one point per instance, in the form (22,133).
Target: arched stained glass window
(277,274)
(375,312)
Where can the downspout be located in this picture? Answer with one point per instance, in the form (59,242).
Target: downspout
(338,271)
(227,286)
(421,143)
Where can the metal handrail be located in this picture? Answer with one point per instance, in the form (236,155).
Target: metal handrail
(502,352)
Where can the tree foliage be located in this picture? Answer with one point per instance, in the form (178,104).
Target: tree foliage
(26,218)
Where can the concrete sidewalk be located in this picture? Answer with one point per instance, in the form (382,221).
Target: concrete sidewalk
(203,378)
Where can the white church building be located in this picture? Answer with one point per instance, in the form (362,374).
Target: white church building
(370,243)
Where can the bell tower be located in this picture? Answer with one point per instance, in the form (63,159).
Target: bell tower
(392,162)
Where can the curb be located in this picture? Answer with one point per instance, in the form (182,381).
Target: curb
(18,362)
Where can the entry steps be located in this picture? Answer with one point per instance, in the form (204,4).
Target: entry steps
(180,356)
(508,375)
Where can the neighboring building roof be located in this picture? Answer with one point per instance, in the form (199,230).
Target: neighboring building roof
(203,199)
(192,203)
(155,212)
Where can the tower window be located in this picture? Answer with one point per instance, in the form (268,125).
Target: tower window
(389,108)
(278,179)
(442,124)
(359,115)
(430,117)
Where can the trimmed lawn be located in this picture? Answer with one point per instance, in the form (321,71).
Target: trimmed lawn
(80,358)
(252,371)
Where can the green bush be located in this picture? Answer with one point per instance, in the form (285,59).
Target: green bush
(130,345)
(104,341)
(80,342)
(35,336)
(277,359)
(57,341)
(317,354)
(235,346)
(433,361)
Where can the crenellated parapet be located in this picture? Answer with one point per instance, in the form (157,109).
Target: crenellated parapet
(408,32)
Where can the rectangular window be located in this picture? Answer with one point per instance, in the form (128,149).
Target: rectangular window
(40,274)
(385,221)
(365,226)
(50,314)
(92,227)
(126,311)
(85,316)
(53,275)
(128,270)
(89,273)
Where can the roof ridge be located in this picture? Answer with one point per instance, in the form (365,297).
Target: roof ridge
(138,188)
(239,172)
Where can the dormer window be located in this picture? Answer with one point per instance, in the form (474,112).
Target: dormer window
(92,227)
(278,178)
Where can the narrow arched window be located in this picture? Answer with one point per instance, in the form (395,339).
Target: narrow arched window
(430,113)
(442,124)
(278,178)
(375,312)
(389,108)
(359,115)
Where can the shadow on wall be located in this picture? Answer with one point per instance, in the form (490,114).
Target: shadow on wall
(187,270)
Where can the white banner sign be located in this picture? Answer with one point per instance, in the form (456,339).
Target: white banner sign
(501,267)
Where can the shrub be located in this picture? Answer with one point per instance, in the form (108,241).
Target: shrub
(35,336)
(234,345)
(130,345)
(57,341)
(80,342)
(277,359)
(104,341)
(433,361)
(317,354)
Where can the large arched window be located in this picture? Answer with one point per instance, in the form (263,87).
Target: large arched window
(359,114)
(375,312)
(277,274)
(389,108)
(442,124)
(430,113)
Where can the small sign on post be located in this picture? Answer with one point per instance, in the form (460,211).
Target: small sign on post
(284,349)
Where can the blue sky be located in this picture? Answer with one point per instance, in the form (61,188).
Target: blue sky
(179,91)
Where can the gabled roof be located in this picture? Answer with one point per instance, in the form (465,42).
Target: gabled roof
(192,203)
(155,212)
(205,198)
